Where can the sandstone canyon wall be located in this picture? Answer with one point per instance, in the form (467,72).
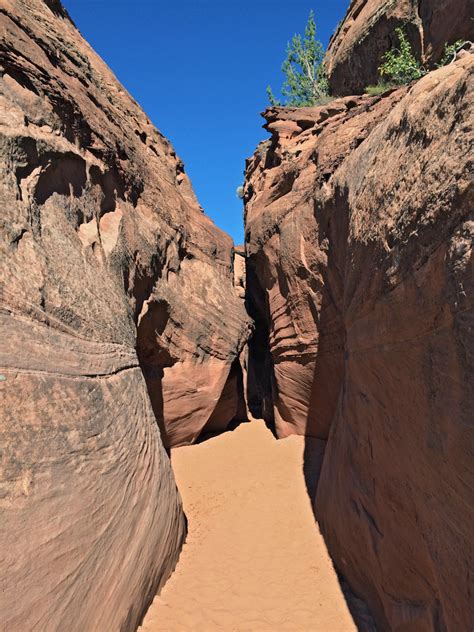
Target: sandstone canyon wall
(359,235)
(118,311)
(368,31)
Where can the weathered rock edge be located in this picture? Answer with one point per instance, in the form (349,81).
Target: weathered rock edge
(359,232)
(110,272)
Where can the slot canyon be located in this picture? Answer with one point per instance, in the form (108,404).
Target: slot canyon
(202,436)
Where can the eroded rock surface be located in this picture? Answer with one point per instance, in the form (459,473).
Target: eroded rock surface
(297,351)
(110,273)
(359,234)
(368,31)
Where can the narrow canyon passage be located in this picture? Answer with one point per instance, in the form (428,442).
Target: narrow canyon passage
(254,559)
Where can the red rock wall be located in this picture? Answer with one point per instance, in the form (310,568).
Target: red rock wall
(368,31)
(297,352)
(110,273)
(359,234)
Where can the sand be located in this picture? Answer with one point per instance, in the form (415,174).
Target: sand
(254,560)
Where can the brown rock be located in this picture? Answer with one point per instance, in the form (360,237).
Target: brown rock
(359,236)
(110,272)
(287,180)
(368,31)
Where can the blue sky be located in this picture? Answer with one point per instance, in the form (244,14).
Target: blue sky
(199,68)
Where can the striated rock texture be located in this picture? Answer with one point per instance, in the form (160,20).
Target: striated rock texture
(359,235)
(368,31)
(297,352)
(110,273)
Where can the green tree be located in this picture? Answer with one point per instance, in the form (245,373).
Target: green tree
(305,83)
(400,64)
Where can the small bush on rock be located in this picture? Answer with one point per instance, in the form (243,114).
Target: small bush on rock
(450,52)
(400,64)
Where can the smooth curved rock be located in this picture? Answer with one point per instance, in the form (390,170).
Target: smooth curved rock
(299,335)
(110,272)
(397,471)
(360,275)
(368,31)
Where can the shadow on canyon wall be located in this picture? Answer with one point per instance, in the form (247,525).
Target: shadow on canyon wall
(329,367)
(232,398)
(313,457)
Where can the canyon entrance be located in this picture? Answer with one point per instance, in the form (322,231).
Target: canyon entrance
(254,558)
(313,387)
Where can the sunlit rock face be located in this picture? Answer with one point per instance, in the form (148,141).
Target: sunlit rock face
(118,311)
(360,279)
(368,31)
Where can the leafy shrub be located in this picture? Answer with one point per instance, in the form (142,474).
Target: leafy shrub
(450,51)
(306,82)
(240,192)
(400,64)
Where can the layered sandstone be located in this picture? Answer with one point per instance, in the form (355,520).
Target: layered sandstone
(359,240)
(368,31)
(297,351)
(118,310)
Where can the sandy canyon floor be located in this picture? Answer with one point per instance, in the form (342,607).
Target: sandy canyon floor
(254,560)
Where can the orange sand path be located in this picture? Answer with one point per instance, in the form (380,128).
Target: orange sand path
(254,560)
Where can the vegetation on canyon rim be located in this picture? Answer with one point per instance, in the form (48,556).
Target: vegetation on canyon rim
(306,83)
(400,66)
(450,51)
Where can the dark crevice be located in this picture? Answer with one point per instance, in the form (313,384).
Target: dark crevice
(74,125)
(143,281)
(64,174)
(111,186)
(260,376)
(153,357)
(16,240)
(20,76)
(231,409)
